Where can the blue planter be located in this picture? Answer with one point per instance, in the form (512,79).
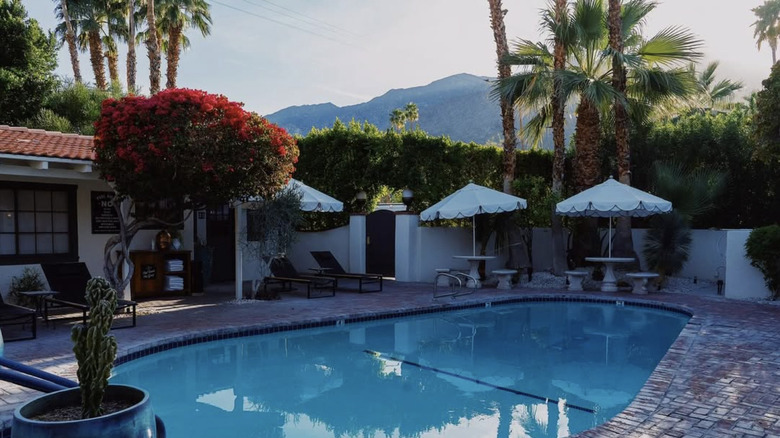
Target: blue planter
(134,422)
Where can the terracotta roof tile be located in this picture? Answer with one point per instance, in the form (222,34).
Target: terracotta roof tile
(40,143)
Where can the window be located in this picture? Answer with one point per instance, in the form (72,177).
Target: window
(37,223)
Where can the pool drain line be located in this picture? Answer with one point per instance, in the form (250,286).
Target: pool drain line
(477,381)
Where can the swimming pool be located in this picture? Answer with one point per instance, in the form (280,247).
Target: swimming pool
(532,369)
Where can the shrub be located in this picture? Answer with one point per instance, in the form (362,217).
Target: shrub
(763,249)
(30,280)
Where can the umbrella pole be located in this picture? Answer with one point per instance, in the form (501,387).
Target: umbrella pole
(609,237)
(473,235)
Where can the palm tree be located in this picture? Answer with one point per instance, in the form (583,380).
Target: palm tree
(116,29)
(712,93)
(68,37)
(507,109)
(131,59)
(175,17)
(411,112)
(397,119)
(153,49)
(87,18)
(767,25)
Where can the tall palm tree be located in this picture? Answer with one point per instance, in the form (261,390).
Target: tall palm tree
(68,37)
(131,59)
(175,17)
(411,113)
(153,48)
(713,93)
(767,25)
(507,109)
(116,29)
(88,18)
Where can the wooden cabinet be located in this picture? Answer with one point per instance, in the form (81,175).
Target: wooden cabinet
(159,273)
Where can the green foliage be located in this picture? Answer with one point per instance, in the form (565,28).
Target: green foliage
(28,58)
(763,249)
(765,121)
(76,103)
(720,142)
(272,224)
(95,350)
(48,120)
(667,243)
(30,280)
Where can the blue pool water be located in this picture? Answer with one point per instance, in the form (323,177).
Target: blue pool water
(541,369)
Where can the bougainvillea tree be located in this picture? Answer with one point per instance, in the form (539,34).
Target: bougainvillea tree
(188,148)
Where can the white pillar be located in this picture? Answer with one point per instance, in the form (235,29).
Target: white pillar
(407,246)
(357,242)
(239,220)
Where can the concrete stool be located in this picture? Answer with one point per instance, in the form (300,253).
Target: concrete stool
(575,279)
(504,278)
(640,281)
(442,281)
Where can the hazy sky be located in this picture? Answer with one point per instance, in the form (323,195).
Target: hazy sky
(278,53)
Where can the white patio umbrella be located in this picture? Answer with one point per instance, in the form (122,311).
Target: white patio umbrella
(470,201)
(314,200)
(612,199)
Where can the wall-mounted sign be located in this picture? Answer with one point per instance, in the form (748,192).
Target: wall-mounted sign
(148,272)
(104,218)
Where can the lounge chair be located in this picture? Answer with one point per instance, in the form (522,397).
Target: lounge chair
(70,282)
(13,315)
(285,274)
(326,260)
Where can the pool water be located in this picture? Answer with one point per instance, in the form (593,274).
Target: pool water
(541,369)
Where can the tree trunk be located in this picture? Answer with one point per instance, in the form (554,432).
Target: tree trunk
(70,39)
(153,48)
(172,57)
(96,57)
(507,111)
(624,244)
(559,147)
(587,165)
(131,67)
(113,65)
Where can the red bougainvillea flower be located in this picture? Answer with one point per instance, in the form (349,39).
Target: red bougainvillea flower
(190,145)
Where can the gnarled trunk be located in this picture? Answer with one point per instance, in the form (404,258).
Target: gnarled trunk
(586,141)
(113,65)
(70,39)
(172,57)
(96,58)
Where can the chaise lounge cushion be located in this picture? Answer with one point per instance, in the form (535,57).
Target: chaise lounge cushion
(284,274)
(327,260)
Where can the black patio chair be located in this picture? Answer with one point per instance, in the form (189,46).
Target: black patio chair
(69,280)
(285,274)
(326,260)
(13,315)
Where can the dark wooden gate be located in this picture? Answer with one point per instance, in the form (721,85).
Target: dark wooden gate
(220,234)
(380,243)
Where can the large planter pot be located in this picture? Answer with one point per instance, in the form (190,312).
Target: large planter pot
(134,422)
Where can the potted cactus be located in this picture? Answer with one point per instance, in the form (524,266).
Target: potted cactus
(95,408)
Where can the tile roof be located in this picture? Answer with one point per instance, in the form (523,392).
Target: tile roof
(40,143)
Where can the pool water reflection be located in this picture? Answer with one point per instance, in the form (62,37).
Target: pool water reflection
(545,369)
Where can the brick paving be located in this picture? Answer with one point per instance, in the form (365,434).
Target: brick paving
(720,378)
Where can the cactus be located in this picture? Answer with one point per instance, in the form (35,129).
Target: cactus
(95,350)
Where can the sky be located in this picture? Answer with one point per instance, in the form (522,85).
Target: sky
(272,54)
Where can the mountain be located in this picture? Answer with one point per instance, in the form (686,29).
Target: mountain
(457,106)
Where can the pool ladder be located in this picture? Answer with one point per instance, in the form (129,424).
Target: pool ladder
(457,284)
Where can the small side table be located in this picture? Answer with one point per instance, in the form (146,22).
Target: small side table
(38,296)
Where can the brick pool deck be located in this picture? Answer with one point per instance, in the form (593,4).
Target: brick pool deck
(720,378)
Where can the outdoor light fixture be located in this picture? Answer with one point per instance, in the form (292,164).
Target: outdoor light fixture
(407,197)
(360,199)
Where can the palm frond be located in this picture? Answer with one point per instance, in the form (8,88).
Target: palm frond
(671,46)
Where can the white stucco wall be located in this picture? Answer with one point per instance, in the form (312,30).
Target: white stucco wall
(90,246)
(742,279)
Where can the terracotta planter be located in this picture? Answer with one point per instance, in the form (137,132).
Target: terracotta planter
(134,422)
